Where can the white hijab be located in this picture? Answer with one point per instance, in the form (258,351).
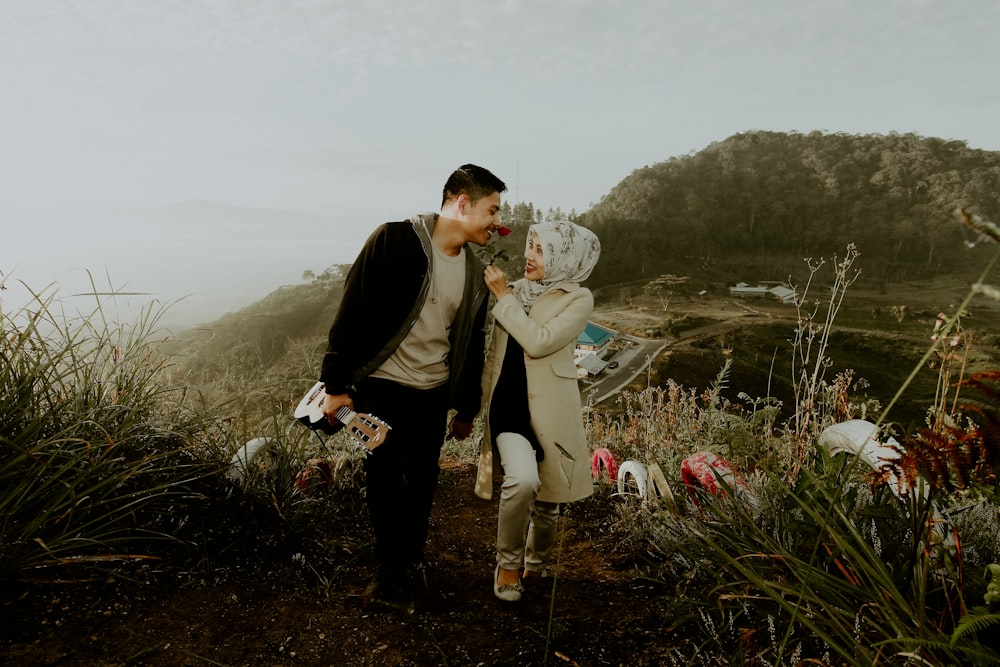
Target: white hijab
(570,253)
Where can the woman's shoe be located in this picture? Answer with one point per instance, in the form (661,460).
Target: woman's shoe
(507,592)
(535,574)
(533,580)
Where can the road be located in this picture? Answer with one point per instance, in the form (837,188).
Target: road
(636,357)
(632,360)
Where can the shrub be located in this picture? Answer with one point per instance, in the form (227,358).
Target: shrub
(826,565)
(94,450)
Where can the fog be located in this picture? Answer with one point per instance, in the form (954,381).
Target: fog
(197,260)
(205,152)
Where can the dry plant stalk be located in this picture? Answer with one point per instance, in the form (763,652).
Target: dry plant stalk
(810,343)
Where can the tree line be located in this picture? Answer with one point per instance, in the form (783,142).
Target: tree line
(769,199)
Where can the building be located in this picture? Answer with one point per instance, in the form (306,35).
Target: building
(589,365)
(778,290)
(783,294)
(594,339)
(591,345)
(745,289)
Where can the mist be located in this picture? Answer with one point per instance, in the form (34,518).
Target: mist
(198,260)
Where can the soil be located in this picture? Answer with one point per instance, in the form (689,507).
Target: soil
(599,609)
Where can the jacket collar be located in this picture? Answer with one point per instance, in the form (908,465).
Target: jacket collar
(423,225)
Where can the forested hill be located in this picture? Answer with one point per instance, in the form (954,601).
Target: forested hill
(763,200)
(751,207)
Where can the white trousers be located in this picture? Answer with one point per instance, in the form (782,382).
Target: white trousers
(526,527)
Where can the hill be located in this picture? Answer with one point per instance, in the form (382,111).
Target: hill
(761,201)
(675,235)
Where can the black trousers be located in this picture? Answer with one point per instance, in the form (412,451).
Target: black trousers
(402,473)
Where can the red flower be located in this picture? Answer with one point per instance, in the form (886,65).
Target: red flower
(503,231)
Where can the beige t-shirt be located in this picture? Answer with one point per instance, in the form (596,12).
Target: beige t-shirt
(421,360)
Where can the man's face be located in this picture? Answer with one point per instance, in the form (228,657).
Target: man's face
(482,218)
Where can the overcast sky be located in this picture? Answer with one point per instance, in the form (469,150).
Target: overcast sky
(365,107)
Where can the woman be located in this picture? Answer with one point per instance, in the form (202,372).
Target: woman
(534,421)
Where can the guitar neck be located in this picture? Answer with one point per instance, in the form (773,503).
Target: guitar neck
(345,414)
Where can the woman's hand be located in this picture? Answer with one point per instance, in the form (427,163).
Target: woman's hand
(496,281)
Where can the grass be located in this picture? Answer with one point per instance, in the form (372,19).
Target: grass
(107,457)
(879,352)
(95,448)
(825,566)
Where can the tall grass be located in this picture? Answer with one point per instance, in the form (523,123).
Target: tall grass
(94,450)
(295,509)
(826,566)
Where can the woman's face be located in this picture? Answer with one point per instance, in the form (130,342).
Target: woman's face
(534,267)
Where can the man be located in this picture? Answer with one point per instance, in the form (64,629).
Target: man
(406,346)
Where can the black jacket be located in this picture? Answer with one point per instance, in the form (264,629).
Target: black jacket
(384,292)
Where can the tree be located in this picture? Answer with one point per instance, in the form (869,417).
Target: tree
(774,198)
(662,288)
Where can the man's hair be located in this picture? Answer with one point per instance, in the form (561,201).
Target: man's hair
(473,181)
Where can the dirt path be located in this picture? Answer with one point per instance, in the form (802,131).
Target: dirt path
(605,612)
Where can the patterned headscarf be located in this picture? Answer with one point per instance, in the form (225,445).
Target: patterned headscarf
(570,253)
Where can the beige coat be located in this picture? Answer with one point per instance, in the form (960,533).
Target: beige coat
(548,336)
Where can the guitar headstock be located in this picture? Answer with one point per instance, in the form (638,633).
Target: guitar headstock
(369,430)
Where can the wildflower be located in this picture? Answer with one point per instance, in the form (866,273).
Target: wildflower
(875,539)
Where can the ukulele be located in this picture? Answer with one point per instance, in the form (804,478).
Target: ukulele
(367,430)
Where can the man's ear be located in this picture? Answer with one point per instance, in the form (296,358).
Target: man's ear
(462,202)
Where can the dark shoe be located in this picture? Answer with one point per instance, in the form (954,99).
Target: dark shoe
(394,597)
(507,592)
(418,576)
(421,585)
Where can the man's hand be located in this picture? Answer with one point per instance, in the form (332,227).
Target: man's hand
(334,402)
(459,430)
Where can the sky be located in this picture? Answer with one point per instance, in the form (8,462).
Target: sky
(356,112)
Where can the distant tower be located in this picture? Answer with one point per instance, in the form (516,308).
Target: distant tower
(517,188)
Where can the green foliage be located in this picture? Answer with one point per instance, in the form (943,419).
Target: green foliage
(814,562)
(982,617)
(296,468)
(837,570)
(259,361)
(106,458)
(752,205)
(95,451)
(280,337)
(821,563)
